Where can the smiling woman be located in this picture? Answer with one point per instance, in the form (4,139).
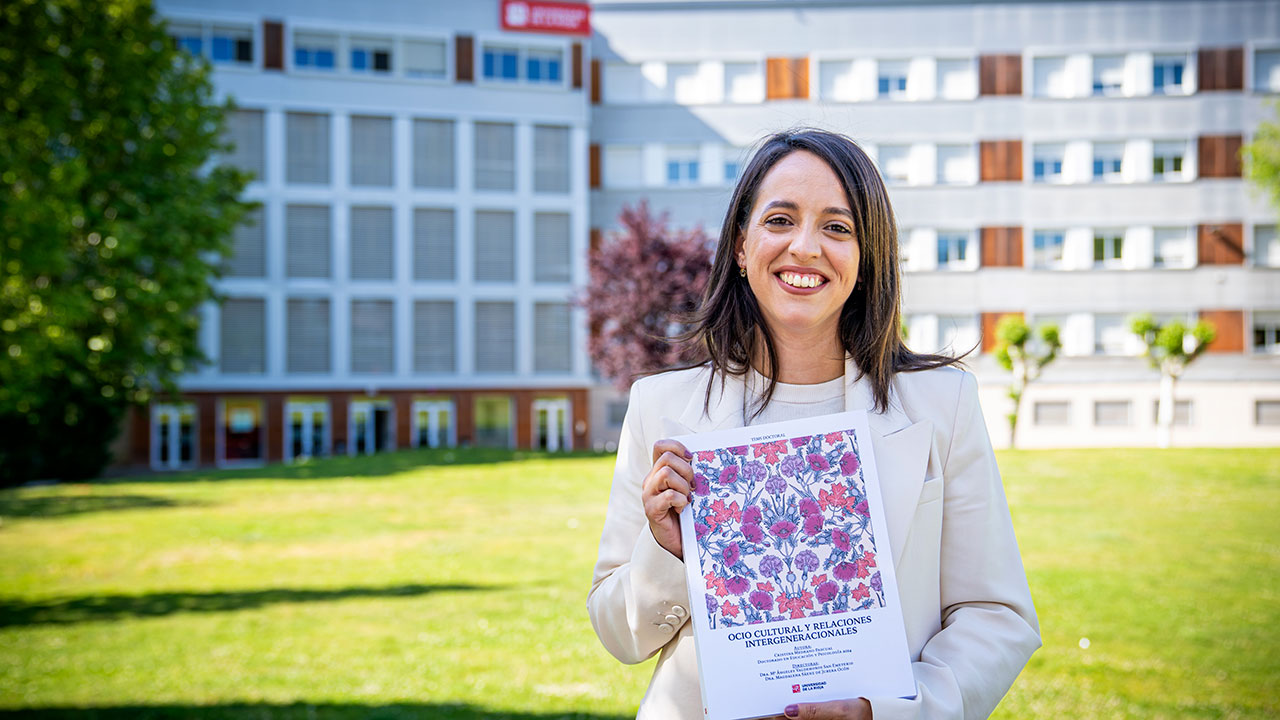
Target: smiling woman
(801,318)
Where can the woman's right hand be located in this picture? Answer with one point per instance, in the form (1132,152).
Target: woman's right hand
(666,492)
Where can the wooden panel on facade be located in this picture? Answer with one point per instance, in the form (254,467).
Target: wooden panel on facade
(272,45)
(787,78)
(1000,75)
(1229,325)
(464,58)
(1221,69)
(139,419)
(1000,160)
(524,418)
(465,422)
(581,415)
(989,322)
(1220,244)
(273,416)
(595,81)
(577,66)
(1001,247)
(595,238)
(1219,156)
(206,427)
(594,170)
(339,410)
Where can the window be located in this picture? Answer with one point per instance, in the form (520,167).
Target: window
(501,63)
(895,163)
(733,163)
(424,59)
(1166,160)
(891,80)
(188,36)
(307,241)
(433,244)
(1172,248)
(1181,413)
(953,249)
(241,436)
(372,337)
(495,337)
(495,246)
(173,436)
(684,83)
(434,333)
(623,83)
(1046,250)
(1055,413)
(682,166)
(956,165)
(306,428)
(1167,73)
(623,166)
(1266,246)
(506,63)
(248,252)
(1108,248)
(244,131)
(243,336)
(371,151)
(1108,162)
(1111,335)
(743,82)
(956,80)
(1266,332)
(433,423)
(307,148)
(1108,75)
(493,426)
(552,333)
(315,51)
(232,44)
(433,153)
(838,80)
(370,426)
(551,248)
(550,159)
(543,66)
(371,243)
(1111,413)
(1266,71)
(1046,165)
(495,158)
(371,55)
(1266,412)
(307,331)
(1050,77)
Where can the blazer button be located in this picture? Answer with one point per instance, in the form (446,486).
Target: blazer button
(672,619)
(678,611)
(666,627)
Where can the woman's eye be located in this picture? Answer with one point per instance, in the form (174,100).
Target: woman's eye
(837,227)
(777,220)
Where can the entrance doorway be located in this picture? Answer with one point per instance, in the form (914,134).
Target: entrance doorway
(371,429)
(306,429)
(433,424)
(551,424)
(173,436)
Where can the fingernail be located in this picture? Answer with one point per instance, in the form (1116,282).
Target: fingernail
(791,711)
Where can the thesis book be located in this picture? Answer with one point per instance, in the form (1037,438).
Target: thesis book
(792,590)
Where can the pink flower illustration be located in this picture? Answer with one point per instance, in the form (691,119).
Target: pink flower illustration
(813,525)
(751,515)
(845,571)
(862,592)
(729,475)
(809,506)
(862,509)
(737,585)
(800,442)
(840,539)
(849,464)
(701,486)
(833,438)
(817,462)
(782,529)
(729,609)
(731,554)
(761,600)
(738,450)
(827,592)
(706,455)
(752,533)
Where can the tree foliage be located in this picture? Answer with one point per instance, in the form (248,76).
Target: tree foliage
(642,280)
(112,222)
(1262,158)
(1170,347)
(1013,338)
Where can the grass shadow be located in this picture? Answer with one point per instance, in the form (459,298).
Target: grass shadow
(13,505)
(300,711)
(96,608)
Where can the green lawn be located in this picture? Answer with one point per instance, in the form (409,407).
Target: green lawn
(452,585)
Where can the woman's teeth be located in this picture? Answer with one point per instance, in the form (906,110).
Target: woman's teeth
(801,281)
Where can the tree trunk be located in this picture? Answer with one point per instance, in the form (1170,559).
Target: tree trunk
(1164,415)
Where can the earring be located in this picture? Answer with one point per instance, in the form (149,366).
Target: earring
(742,272)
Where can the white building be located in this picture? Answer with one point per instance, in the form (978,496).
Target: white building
(1074,162)
(422,174)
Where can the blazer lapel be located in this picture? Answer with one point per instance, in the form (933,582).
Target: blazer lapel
(901,454)
(725,410)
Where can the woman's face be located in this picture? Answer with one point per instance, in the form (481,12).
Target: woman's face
(799,249)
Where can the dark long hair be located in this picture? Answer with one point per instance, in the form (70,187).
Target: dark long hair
(870,325)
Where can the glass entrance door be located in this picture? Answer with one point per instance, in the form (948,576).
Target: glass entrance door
(433,424)
(173,436)
(551,424)
(306,429)
(370,427)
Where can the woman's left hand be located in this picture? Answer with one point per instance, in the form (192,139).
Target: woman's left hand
(856,709)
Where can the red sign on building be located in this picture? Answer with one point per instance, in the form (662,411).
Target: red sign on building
(546,17)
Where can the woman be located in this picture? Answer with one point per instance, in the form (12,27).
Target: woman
(801,318)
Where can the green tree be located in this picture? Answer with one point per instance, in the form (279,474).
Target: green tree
(1170,348)
(1013,336)
(1262,158)
(113,220)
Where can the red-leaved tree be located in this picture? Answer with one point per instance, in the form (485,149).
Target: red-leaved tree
(642,279)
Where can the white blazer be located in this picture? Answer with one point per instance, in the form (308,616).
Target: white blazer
(970,623)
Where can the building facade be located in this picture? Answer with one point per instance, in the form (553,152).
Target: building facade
(1071,162)
(408,278)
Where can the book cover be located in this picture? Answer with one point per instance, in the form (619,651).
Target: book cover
(792,591)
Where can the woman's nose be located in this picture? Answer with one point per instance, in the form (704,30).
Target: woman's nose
(805,243)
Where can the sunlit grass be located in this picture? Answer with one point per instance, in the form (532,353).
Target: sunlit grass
(452,585)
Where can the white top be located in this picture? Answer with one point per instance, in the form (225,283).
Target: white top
(792,402)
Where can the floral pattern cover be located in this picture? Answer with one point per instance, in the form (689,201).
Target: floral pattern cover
(784,530)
